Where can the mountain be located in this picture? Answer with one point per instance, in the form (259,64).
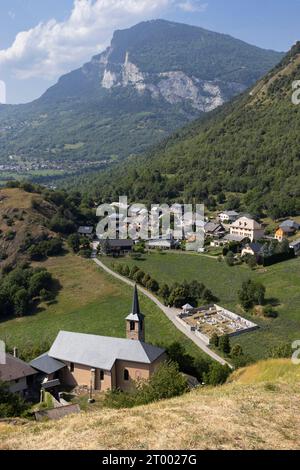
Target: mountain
(246,154)
(154,78)
(258,409)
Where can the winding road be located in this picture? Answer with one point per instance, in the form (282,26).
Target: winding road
(169,312)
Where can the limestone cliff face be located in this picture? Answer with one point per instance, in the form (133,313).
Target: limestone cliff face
(174,86)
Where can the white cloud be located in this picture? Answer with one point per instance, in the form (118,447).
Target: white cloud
(193,6)
(52,48)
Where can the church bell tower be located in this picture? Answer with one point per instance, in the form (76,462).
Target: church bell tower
(135,322)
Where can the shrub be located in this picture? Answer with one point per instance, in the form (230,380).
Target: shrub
(217,374)
(214,340)
(224,344)
(269,312)
(230,258)
(11,404)
(252,293)
(166,382)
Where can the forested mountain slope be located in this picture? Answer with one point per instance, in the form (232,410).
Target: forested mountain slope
(249,147)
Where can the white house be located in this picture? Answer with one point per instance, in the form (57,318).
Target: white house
(247,228)
(228,216)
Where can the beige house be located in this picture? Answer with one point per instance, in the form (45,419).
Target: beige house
(247,228)
(17,375)
(104,363)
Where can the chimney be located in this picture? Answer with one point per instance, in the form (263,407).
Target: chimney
(16,352)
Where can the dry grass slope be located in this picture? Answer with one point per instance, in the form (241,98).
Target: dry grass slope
(21,214)
(238,415)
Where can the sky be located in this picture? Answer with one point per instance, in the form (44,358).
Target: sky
(42,40)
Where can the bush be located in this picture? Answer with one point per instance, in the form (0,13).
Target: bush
(11,404)
(166,382)
(281,351)
(269,312)
(224,344)
(215,340)
(217,374)
(252,293)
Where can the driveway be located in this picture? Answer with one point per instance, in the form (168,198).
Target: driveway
(169,312)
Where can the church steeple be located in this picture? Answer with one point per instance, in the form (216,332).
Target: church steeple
(135,324)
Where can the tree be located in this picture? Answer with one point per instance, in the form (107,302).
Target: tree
(252,293)
(230,258)
(138,276)
(251,262)
(21,302)
(214,340)
(217,374)
(166,382)
(126,271)
(146,279)
(133,270)
(237,351)
(224,344)
(40,280)
(164,292)
(152,285)
(74,242)
(208,296)
(11,404)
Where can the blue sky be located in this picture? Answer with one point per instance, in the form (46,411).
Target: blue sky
(43,39)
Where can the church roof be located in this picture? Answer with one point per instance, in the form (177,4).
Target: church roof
(101,352)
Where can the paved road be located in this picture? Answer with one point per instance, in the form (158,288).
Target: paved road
(169,312)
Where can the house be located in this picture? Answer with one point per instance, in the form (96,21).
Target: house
(291,224)
(17,374)
(247,228)
(214,230)
(116,246)
(284,232)
(87,232)
(295,245)
(100,362)
(288,228)
(228,216)
(165,243)
(253,249)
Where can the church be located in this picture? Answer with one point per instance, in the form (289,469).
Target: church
(105,363)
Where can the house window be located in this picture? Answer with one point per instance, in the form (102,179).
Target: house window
(101,375)
(132,326)
(126,375)
(72,367)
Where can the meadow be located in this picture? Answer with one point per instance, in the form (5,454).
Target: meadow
(282,282)
(89,301)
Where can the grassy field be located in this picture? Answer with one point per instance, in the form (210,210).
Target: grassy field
(281,280)
(244,414)
(88,302)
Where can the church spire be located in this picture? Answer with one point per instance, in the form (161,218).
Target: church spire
(135,325)
(135,303)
